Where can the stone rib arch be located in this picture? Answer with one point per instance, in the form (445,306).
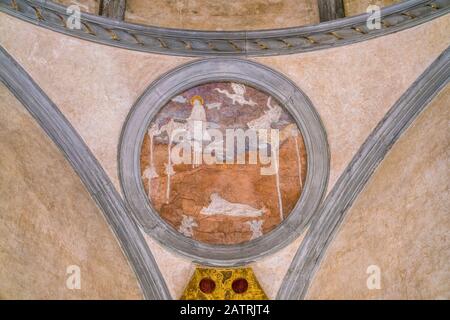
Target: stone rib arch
(90,172)
(334,208)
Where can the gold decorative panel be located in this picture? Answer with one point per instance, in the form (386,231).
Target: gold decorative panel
(223,284)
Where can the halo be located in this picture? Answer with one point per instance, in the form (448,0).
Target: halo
(196,98)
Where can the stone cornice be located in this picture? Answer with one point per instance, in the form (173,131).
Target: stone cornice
(240,43)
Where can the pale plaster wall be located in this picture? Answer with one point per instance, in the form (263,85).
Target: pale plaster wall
(90,6)
(354,7)
(213,14)
(400,222)
(226,15)
(48,221)
(352,87)
(223,14)
(271,270)
(177,271)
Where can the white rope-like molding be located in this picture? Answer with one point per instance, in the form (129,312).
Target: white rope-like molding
(329,34)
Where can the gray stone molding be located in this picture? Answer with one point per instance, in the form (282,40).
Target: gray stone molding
(116,33)
(326,222)
(90,172)
(259,77)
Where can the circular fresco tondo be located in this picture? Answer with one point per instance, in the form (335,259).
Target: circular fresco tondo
(223,163)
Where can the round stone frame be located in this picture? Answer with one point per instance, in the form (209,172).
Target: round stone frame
(218,70)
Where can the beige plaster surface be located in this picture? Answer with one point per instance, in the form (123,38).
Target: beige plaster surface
(400,222)
(223,14)
(352,87)
(354,7)
(271,270)
(175,269)
(89,6)
(48,221)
